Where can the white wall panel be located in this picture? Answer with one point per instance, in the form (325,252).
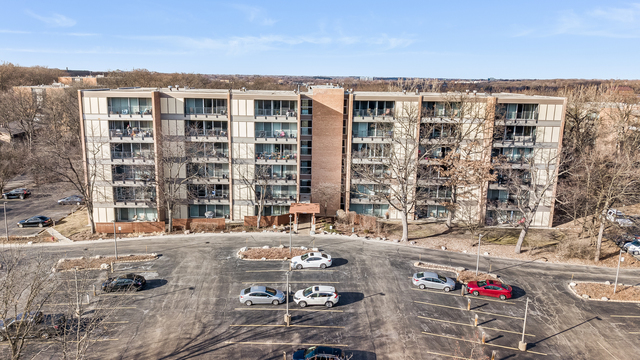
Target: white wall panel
(558,113)
(164,106)
(172,105)
(251,129)
(250,108)
(234,129)
(102,106)
(243,128)
(242,107)
(179,106)
(234,106)
(542,112)
(86,105)
(550,110)
(94,106)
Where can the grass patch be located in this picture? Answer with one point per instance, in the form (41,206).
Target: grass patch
(597,291)
(88,263)
(73,224)
(277,253)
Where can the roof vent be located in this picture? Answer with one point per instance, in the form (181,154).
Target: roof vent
(177,87)
(404,92)
(170,88)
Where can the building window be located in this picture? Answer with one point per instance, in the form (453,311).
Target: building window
(208,191)
(136,214)
(132,193)
(373,108)
(498,217)
(277,192)
(432,211)
(127,106)
(307,107)
(216,211)
(305,127)
(512,154)
(438,131)
(204,149)
(305,148)
(305,167)
(276,107)
(276,152)
(205,106)
(208,170)
(436,192)
(273,210)
(378,210)
(205,128)
(305,186)
(516,133)
(276,130)
(368,150)
(372,129)
(133,173)
(440,109)
(517,111)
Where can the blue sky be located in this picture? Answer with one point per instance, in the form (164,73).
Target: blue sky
(455,39)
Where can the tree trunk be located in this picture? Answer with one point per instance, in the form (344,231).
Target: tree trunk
(449,218)
(523,233)
(599,243)
(405,226)
(90,216)
(170,218)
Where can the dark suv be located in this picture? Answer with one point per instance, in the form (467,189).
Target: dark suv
(124,282)
(16,193)
(318,353)
(38,324)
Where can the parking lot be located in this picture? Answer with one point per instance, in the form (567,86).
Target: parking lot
(191,308)
(42,201)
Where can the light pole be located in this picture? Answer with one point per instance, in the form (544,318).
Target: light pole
(6,227)
(290,229)
(287,316)
(523,345)
(617,272)
(478,260)
(115,242)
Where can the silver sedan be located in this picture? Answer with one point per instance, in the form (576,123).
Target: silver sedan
(434,281)
(261,295)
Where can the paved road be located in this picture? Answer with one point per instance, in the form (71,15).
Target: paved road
(43,201)
(192,310)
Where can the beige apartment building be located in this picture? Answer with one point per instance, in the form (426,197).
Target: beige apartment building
(212,143)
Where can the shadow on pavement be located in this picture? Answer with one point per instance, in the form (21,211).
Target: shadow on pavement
(347,298)
(155,283)
(339,262)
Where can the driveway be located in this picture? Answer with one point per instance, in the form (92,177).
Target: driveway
(192,308)
(42,201)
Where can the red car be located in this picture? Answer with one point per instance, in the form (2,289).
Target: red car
(490,288)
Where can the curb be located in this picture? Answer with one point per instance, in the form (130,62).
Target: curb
(573,291)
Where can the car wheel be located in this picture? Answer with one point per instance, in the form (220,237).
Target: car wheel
(21,197)
(636,252)
(4,196)
(20,225)
(302,304)
(475,293)
(44,335)
(422,286)
(503,297)
(248,303)
(275,302)
(447,289)
(299,266)
(323,266)
(78,203)
(328,304)
(40,225)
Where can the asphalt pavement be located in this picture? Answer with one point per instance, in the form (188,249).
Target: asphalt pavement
(191,308)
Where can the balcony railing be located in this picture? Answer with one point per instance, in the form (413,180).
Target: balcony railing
(285,197)
(133,155)
(217,196)
(276,112)
(374,113)
(284,155)
(132,177)
(130,110)
(137,133)
(281,177)
(513,138)
(512,158)
(280,134)
(216,110)
(215,153)
(205,132)
(134,198)
(384,134)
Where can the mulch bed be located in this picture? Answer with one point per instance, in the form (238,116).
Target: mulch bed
(271,253)
(86,263)
(468,275)
(599,290)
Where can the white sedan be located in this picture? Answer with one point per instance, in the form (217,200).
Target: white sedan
(312,259)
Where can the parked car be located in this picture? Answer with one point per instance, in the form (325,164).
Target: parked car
(490,288)
(618,217)
(318,353)
(317,295)
(124,282)
(624,239)
(41,325)
(38,220)
(632,247)
(261,295)
(312,259)
(434,281)
(17,193)
(72,200)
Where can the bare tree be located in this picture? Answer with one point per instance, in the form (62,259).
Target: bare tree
(397,157)
(256,180)
(26,285)
(323,193)
(529,180)
(21,108)
(12,163)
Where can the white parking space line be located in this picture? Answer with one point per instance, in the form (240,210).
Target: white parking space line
(283,309)
(470,325)
(290,282)
(279,343)
(475,311)
(301,326)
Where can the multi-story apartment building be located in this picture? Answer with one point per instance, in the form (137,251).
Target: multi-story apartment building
(227,149)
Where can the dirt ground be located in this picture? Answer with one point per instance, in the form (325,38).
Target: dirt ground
(41,238)
(93,263)
(271,253)
(597,291)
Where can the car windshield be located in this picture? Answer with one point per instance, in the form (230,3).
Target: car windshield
(310,351)
(304,257)
(442,278)
(482,283)
(307,291)
(419,275)
(635,242)
(246,291)
(270,291)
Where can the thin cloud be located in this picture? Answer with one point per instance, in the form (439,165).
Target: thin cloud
(14,32)
(55,20)
(255,14)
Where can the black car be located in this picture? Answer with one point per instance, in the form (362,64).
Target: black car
(71,200)
(318,353)
(38,220)
(124,282)
(39,325)
(16,193)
